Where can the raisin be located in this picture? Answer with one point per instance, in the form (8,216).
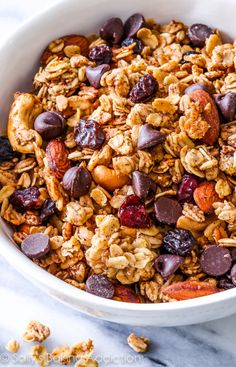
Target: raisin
(137,48)
(48,209)
(26,199)
(6,152)
(89,134)
(144,89)
(186,189)
(133,214)
(178,242)
(101,54)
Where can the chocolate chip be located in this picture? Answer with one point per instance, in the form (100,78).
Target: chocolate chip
(227,105)
(94,74)
(198,33)
(167,264)
(112,30)
(233,275)
(133,24)
(167,210)
(36,245)
(77,181)
(100,285)
(138,44)
(215,260)
(50,124)
(149,137)
(194,87)
(144,187)
(48,209)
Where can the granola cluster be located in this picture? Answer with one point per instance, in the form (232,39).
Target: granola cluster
(119,174)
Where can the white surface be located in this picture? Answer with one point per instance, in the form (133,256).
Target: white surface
(209,345)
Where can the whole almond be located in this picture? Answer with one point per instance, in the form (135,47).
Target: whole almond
(189,289)
(70,40)
(126,294)
(57,156)
(205,195)
(210,115)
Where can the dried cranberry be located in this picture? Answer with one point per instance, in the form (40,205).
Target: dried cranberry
(137,48)
(100,285)
(178,242)
(144,89)
(101,54)
(133,214)
(89,134)
(186,189)
(6,152)
(48,209)
(26,199)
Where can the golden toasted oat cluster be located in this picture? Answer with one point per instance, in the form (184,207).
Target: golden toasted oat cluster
(118,173)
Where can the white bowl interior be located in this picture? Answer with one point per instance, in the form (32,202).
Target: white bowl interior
(19,60)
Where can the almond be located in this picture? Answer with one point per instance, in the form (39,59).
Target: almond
(210,115)
(125,294)
(70,40)
(57,156)
(205,195)
(189,289)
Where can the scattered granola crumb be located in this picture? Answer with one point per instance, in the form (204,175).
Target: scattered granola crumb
(36,332)
(62,354)
(12,346)
(82,349)
(138,343)
(40,355)
(87,362)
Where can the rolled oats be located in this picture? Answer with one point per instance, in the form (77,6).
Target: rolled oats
(138,343)
(36,332)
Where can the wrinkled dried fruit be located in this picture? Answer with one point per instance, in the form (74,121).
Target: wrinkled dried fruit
(125,294)
(149,137)
(133,214)
(205,195)
(138,44)
(48,209)
(178,242)
(167,264)
(198,33)
(186,188)
(89,134)
(225,284)
(233,275)
(94,74)
(210,115)
(133,24)
(144,90)
(100,285)
(189,289)
(36,245)
(215,260)
(227,105)
(101,54)
(112,30)
(6,152)
(167,210)
(57,156)
(77,181)
(50,124)
(144,187)
(26,199)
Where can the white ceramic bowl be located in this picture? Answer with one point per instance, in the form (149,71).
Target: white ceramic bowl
(19,58)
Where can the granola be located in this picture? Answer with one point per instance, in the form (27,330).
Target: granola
(123,156)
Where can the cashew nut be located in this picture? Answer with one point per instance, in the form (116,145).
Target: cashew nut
(25,108)
(109,178)
(193,226)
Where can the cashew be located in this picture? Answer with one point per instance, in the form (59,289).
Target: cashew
(193,226)
(25,108)
(108,178)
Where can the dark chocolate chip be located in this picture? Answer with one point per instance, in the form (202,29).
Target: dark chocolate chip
(149,137)
(36,245)
(48,209)
(94,74)
(144,187)
(198,33)
(194,87)
(50,124)
(77,181)
(216,260)
(100,285)
(167,264)
(138,44)
(112,30)
(227,105)
(167,210)
(133,24)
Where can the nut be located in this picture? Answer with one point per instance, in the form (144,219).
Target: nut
(189,289)
(210,115)
(125,294)
(57,156)
(109,178)
(205,195)
(12,346)
(25,108)
(192,225)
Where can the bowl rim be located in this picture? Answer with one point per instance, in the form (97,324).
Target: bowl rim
(34,272)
